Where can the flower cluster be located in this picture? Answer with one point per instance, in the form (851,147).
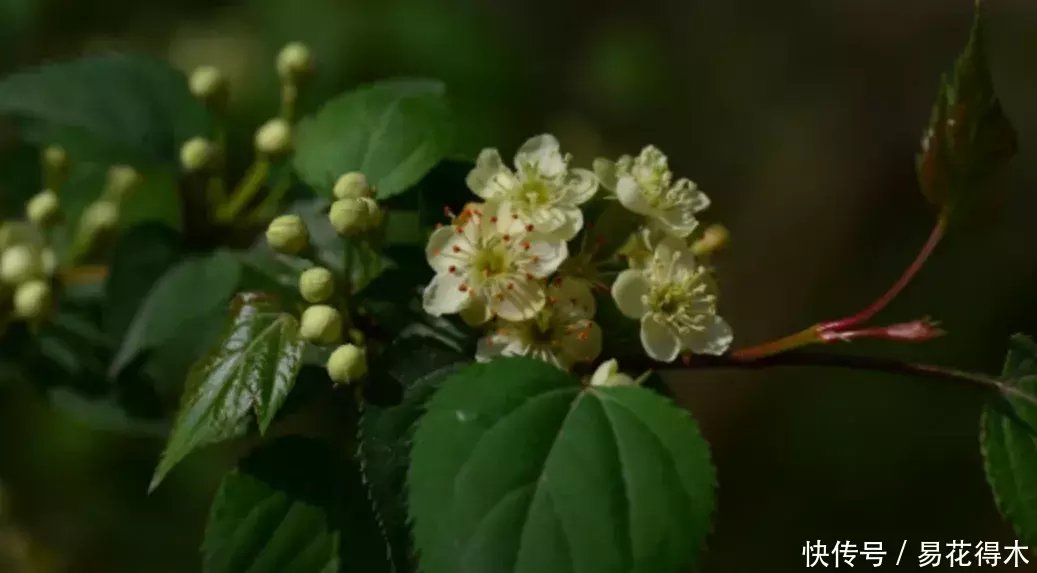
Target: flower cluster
(499,263)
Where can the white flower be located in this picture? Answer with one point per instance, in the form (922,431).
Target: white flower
(562,333)
(542,190)
(489,263)
(608,374)
(645,186)
(675,300)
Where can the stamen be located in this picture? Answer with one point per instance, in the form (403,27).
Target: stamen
(529,227)
(463,287)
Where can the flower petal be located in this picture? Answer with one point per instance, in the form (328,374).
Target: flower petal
(631,196)
(677,222)
(580,186)
(544,256)
(439,250)
(605,170)
(444,295)
(573,297)
(542,153)
(715,338)
(630,291)
(571,225)
(659,340)
(521,302)
(582,344)
(476,313)
(483,178)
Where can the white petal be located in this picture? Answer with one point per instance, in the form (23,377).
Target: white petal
(543,256)
(630,195)
(482,178)
(521,302)
(541,152)
(573,296)
(605,170)
(583,344)
(572,224)
(629,291)
(439,250)
(659,340)
(476,313)
(580,186)
(700,201)
(715,339)
(548,220)
(444,295)
(677,222)
(604,371)
(489,347)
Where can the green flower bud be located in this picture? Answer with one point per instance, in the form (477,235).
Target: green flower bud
(714,238)
(100,217)
(316,284)
(294,62)
(274,137)
(55,159)
(352,185)
(122,181)
(356,336)
(287,234)
(48,262)
(208,84)
(44,208)
(197,154)
(13,233)
(321,324)
(354,215)
(32,300)
(19,264)
(347,363)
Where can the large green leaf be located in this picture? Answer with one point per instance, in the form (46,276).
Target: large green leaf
(124,107)
(140,259)
(293,506)
(252,370)
(516,467)
(192,293)
(968,138)
(393,132)
(1010,446)
(417,366)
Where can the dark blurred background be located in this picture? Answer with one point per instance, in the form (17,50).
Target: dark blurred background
(799,118)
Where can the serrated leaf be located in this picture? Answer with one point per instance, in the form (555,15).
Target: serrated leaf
(293,505)
(126,107)
(516,467)
(417,366)
(393,132)
(252,370)
(1009,444)
(968,138)
(193,292)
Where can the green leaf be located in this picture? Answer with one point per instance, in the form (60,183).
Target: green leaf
(252,370)
(142,256)
(416,366)
(125,107)
(189,294)
(968,139)
(518,468)
(393,132)
(294,505)
(1009,445)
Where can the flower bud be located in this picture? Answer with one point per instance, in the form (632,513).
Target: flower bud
(321,324)
(352,185)
(208,84)
(354,215)
(316,284)
(347,363)
(55,160)
(48,262)
(43,208)
(287,234)
(294,62)
(122,181)
(197,154)
(32,299)
(13,233)
(100,217)
(714,238)
(608,374)
(19,264)
(274,137)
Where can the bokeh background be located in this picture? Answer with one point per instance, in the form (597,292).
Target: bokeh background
(799,118)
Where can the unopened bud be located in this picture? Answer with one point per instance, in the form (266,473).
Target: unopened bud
(48,262)
(32,300)
(13,233)
(714,238)
(354,215)
(321,324)
(347,364)
(316,284)
(294,62)
(43,208)
(55,160)
(19,264)
(608,374)
(352,185)
(287,234)
(122,181)
(274,137)
(100,217)
(208,84)
(197,154)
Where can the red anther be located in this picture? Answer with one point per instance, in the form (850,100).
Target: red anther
(506,237)
(500,298)
(526,245)
(536,258)
(529,227)
(439,226)
(493,219)
(511,286)
(583,335)
(456,249)
(452,269)
(686,359)
(514,215)
(529,276)
(448,212)
(552,300)
(463,287)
